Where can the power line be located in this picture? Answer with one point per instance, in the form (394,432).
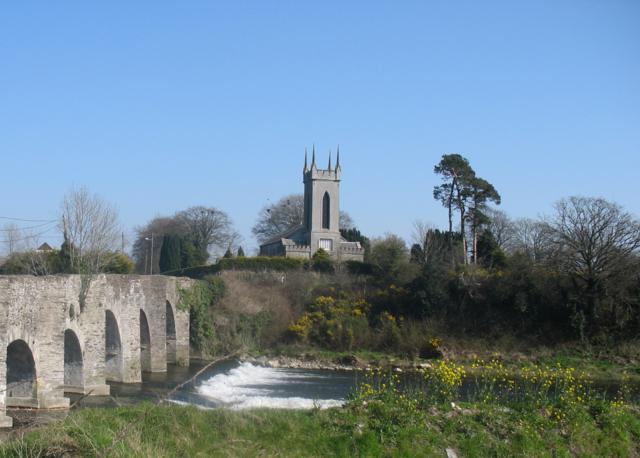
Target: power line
(28,227)
(32,236)
(29,220)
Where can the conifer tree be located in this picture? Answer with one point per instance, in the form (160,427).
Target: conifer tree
(170,254)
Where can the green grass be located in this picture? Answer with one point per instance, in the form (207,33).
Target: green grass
(373,430)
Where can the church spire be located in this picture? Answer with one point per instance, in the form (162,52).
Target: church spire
(329,161)
(313,157)
(338,158)
(306,168)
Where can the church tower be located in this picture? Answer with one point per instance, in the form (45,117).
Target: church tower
(322,204)
(320,227)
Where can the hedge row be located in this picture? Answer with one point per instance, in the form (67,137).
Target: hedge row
(264,263)
(256,264)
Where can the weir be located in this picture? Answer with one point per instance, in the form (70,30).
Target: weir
(51,344)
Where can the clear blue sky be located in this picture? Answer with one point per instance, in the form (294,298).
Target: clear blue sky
(158,106)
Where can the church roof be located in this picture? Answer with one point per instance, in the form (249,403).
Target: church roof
(297,234)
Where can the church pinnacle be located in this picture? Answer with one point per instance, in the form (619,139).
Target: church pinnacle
(305,160)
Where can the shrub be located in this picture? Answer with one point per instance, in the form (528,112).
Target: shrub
(119,263)
(321,262)
(198,299)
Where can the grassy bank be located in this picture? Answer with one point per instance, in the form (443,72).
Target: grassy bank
(546,411)
(476,430)
(600,364)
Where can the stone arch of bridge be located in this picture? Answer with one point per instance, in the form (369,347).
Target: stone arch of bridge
(21,374)
(73,362)
(170,328)
(113,366)
(145,343)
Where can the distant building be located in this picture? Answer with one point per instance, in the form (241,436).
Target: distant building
(45,247)
(321,224)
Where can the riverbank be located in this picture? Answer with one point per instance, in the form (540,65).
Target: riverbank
(147,430)
(599,364)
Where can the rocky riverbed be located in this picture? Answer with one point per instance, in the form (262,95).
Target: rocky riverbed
(343,363)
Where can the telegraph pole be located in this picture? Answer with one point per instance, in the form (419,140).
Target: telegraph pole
(151,266)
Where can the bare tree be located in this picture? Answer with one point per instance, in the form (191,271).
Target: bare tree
(11,236)
(530,237)
(596,242)
(500,226)
(286,214)
(91,230)
(208,227)
(90,226)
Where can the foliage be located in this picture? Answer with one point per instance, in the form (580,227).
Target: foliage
(254,264)
(200,229)
(354,235)
(333,323)
(391,258)
(596,245)
(118,263)
(347,322)
(544,398)
(321,261)
(56,262)
(32,263)
(198,299)
(170,258)
(240,252)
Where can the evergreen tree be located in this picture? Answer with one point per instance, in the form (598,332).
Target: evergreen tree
(240,252)
(354,235)
(189,257)
(170,254)
(457,176)
(228,254)
(65,257)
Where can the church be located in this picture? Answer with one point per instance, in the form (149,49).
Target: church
(320,227)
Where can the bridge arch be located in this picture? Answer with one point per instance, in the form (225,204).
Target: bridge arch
(145,343)
(170,326)
(113,348)
(73,361)
(21,374)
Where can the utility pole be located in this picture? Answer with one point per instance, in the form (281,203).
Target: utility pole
(151,264)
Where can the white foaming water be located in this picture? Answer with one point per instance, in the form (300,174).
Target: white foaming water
(249,386)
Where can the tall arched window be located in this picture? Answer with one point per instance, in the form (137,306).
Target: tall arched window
(326,211)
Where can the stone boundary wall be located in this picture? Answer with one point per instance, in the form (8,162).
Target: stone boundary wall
(36,312)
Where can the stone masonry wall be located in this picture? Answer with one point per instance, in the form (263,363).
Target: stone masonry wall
(38,311)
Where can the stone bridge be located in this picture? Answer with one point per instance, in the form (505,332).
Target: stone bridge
(50,345)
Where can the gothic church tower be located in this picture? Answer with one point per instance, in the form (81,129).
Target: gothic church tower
(322,204)
(320,227)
